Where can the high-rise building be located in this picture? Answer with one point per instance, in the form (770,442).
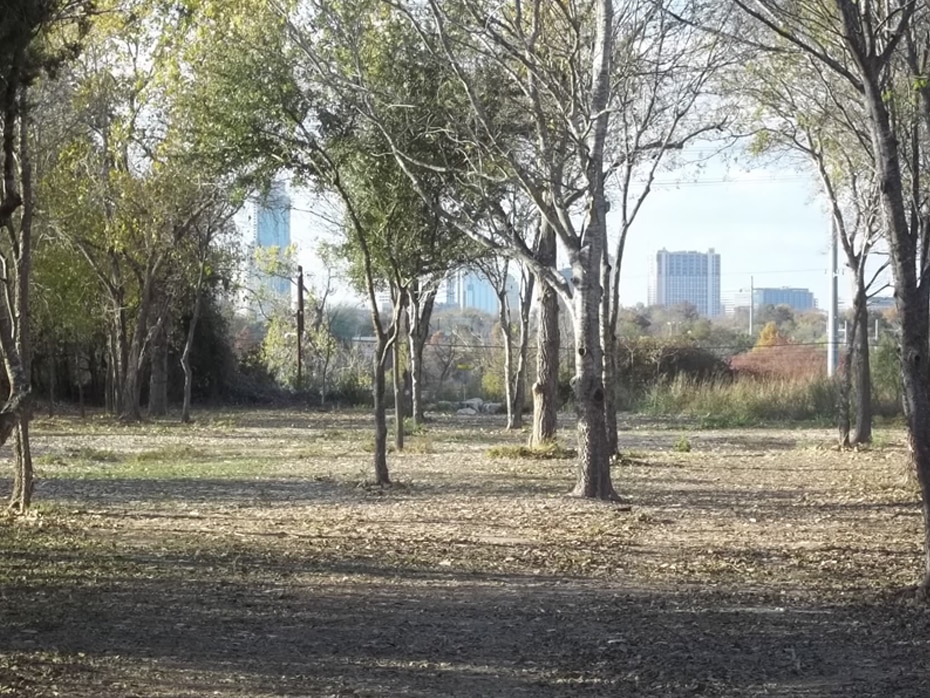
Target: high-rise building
(270,220)
(800,299)
(686,277)
(471,289)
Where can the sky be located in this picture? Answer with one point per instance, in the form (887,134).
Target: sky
(769,226)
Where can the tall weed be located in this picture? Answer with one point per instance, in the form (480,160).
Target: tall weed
(744,400)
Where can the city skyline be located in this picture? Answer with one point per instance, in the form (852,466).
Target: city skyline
(768,224)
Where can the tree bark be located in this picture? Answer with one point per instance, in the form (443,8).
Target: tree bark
(593,457)
(503,319)
(518,389)
(188,345)
(609,344)
(379,397)
(862,434)
(158,377)
(131,390)
(14,310)
(420,312)
(844,390)
(397,375)
(912,293)
(545,389)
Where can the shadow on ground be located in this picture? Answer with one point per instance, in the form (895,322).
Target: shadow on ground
(169,623)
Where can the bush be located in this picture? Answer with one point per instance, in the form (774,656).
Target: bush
(645,363)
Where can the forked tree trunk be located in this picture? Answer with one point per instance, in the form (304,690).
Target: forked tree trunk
(420,314)
(546,387)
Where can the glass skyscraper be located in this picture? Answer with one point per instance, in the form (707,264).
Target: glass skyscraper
(271,229)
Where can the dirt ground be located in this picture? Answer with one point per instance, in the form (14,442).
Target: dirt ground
(246,556)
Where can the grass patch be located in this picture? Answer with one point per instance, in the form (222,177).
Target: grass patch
(422,445)
(551,450)
(171,454)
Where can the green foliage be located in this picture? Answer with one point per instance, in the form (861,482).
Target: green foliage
(279,350)
(683,445)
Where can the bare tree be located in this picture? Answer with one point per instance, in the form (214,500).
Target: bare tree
(562,90)
(666,98)
(862,43)
(804,109)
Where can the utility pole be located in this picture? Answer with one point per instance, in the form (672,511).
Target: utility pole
(300,325)
(752,304)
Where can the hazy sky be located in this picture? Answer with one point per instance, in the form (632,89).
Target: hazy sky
(767,223)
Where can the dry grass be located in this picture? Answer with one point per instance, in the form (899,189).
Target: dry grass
(244,557)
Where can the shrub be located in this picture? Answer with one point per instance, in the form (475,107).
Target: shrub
(644,363)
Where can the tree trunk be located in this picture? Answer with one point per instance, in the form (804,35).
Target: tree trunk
(420,312)
(518,390)
(503,318)
(844,390)
(379,397)
(186,353)
(912,294)
(109,382)
(593,455)
(862,434)
(14,314)
(609,344)
(397,375)
(131,392)
(587,266)
(24,475)
(158,378)
(546,387)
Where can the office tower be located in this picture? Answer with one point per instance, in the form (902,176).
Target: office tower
(271,229)
(468,288)
(799,299)
(686,277)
